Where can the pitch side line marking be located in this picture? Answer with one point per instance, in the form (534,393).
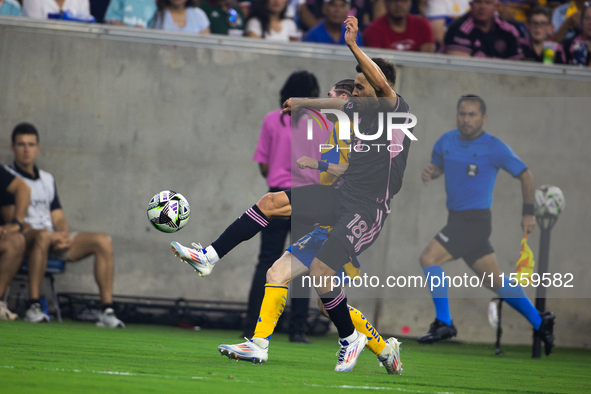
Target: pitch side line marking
(377,388)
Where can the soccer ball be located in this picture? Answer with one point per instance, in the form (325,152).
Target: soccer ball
(548,200)
(168,211)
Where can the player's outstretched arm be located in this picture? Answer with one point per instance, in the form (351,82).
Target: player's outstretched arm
(333,169)
(431,172)
(315,103)
(337,169)
(528,221)
(372,72)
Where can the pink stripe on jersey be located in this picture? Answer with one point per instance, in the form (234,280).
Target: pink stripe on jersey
(337,300)
(368,237)
(373,227)
(506,26)
(467,26)
(366,241)
(257,218)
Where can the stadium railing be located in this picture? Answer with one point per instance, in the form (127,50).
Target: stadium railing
(300,49)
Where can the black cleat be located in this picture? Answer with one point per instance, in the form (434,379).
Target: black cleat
(438,331)
(546,331)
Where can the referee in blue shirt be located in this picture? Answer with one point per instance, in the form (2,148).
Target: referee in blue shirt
(470,158)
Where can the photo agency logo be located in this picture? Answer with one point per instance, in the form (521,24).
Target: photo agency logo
(395,130)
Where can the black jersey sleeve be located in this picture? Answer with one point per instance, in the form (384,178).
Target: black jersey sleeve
(5,179)
(514,50)
(568,55)
(350,107)
(457,40)
(55,203)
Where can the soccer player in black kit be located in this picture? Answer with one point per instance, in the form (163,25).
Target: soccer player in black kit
(356,204)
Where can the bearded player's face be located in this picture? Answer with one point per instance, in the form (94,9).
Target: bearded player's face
(362,87)
(470,119)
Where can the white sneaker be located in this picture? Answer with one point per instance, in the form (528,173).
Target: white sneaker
(350,352)
(392,360)
(5,313)
(35,314)
(197,257)
(107,318)
(247,351)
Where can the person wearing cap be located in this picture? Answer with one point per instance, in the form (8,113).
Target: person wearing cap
(400,30)
(331,30)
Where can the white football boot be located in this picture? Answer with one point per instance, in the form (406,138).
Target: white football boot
(201,259)
(350,352)
(107,318)
(5,313)
(35,314)
(247,351)
(392,360)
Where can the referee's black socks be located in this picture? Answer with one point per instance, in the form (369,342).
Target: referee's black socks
(244,228)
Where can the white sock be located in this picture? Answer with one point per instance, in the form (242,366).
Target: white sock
(211,254)
(262,342)
(351,337)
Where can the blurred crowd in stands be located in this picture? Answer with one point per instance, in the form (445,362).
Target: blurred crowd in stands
(546,31)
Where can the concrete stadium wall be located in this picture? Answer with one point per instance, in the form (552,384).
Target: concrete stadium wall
(122,118)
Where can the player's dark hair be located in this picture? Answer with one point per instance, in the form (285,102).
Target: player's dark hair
(261,12)
(540,10)
(299,84)
(474,98)
(344,86)
(162,5)
(22,129)
(387,68)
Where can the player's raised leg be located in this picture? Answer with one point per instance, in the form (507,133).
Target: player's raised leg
(278,278)
(514,295)
(270,206)
(432,258)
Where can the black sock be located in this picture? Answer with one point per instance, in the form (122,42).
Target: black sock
(335,303)
(32,301)
(106,306)
(244,228)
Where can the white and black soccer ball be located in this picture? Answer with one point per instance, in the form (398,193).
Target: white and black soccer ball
(168,211)
(549,200)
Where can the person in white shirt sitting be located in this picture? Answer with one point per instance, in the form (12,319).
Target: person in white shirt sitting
(268,21)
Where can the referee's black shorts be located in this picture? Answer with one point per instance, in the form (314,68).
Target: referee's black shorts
(466,234)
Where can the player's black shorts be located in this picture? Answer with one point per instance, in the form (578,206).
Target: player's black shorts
(466,234)
(355,225)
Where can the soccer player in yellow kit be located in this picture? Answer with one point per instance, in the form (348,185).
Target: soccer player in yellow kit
(298,257)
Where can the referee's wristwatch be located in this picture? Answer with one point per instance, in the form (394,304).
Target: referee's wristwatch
(18,222)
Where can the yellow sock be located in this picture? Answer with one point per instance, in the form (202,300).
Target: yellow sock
(271,308)
(375,342)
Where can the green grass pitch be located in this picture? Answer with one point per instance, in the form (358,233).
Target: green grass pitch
(77,357)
